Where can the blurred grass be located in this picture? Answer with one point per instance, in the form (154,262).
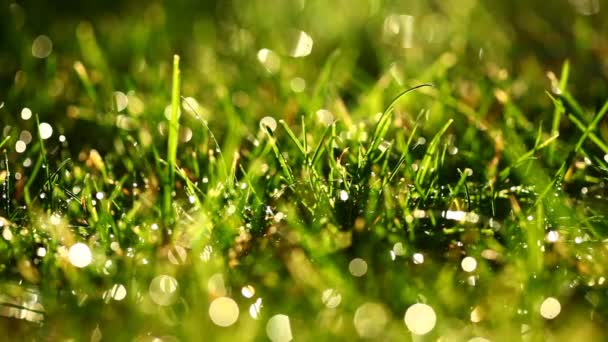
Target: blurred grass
(504,160)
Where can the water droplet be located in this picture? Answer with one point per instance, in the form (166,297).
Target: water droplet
(80,255)
(163,290)
(121,101)
(46,130)
(278,329)
(177,255)
(255,309)
(343,195)
(118,292)
(552,236)
(224,311)
(20,146)
(248,291)
(270,60)
(26,114)
(297,84)
(550,308)
(325,117)
(399,249)
(42,47)
(469,264)
(420,319)
(586,7)
(370,320)
(331,298)
(399,28)
(418,258)
(268,122)
(303,46)
(357,267)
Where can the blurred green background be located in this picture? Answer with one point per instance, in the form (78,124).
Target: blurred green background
(237,62)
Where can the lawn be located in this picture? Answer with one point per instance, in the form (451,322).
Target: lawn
(253,170)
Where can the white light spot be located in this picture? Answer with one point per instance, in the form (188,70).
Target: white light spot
(357,267)
(255,309)
(80,255)
(552,236)
(215,285)
(550,308)
(278,329)
(118,292)
(331,298)
(476,315)
(418,258)
(297,84)
(398,249)
(248,291)
(41,252)
(370,320)
(224,311)
(469,264)
(26,114)
(399,28)
(343,195)
(121,101)
(7,234)
(270,60)
(177,255)
(42,47)
(20,146)
(46,130)
(420,319)
(268,122)
(303,45)
(163,290)
(325,117)
(99,195)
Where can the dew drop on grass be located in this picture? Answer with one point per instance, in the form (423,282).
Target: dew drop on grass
(118,292)
(25,136)
(469,264)
(270,60)
(418,258)
(177,255)
(26,114)
(224,311)
(420,319)
(42,47)
(331,298)
(303,45)
(20,146)
(46,130)
(325,117)
(268,122)
(80,255)
(278,328)
(343,195)
(357,267)
(255,309)
(121,101)
(399,249)
(163,290)
(297,84)
(248,291)
(370,320)
(552,236)
(550,308)
(215,285)
(41,252)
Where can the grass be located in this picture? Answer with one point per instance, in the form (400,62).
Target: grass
(337,190)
